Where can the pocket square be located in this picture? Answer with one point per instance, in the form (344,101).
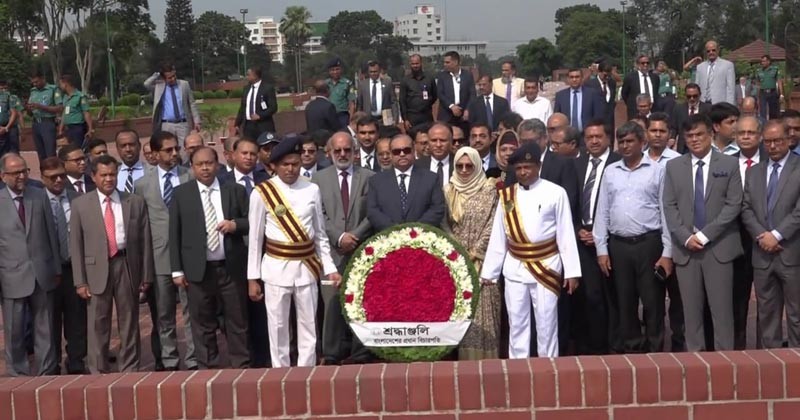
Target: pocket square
(719,174)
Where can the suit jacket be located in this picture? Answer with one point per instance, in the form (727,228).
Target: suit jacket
(321,115)
(477,110)
(425,200)
(425,163)
(631,89)
(446,94)
(592,106)
(88,184)
(723,192)
(156,84)
(30,252)
(739,95)
(149,188)
(723,85)
(517,88)
(582,165)
(785,214)
(388,100)
(88,245)
(266,107)
(259,176)
(610,105)
(680,113)
(188,237)
(336,222)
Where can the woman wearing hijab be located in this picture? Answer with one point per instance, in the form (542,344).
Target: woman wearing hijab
(471,201)
(507,144)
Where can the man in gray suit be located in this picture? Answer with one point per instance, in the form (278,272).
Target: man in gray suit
(343,187)
(174,109)
(716,77)
(376,95)
(702,201)
(157,187)
(743,90)
(31,268)
(771,214)
(112,263)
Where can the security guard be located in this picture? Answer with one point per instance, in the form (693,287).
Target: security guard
(341,91)
(44,104)
(770,88)
(666,89)
(16,129)
(76,121)
(8,117)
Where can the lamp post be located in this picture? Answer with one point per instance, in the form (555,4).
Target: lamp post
(766,26)
(624,59)
(110,66)
(244,44)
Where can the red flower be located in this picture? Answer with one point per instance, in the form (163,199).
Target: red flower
(453,255)
(348,298)
(500,184)
(413,234)
(369,250)
(467,295)
(409,285)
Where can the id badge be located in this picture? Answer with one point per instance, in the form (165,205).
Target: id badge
(425,95)
(263,105)
(66,110)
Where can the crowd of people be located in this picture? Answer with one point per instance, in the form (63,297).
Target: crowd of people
(572,220)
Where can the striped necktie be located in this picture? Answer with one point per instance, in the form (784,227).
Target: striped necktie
(212,239)
(168,188)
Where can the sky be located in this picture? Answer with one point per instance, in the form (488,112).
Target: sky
(507,23)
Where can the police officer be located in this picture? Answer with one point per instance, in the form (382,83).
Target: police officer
(16,129)
(666,89)
(44,104)
(341,91)
(76,121)
(770,88)
(8,117)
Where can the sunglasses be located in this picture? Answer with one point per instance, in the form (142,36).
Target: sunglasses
(692,96)
(309,151)
(464,166)
(403,151)
(346,151)
(644,63)
(711,50)
(56,177)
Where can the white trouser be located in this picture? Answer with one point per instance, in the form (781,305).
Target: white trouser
(278,301)
(519,297)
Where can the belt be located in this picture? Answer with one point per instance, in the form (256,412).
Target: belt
(767,90)
(636,239)
(664,95)
(43,119)
(174,121)
(216,264)
(77,125)
(296,251)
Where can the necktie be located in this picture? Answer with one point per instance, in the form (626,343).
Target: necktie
(167,188)
(248,184)
(586,207)
(646,85)
(374,101)
(710,81)
(20,209)
(603,88)
(440,172)
(307,174)
(111,233)
(175,109)
(772,197)
(749,163)
(699,197)
(692,110)
(508,91)
(573,119)
(403,194)
(79,186)
(345,193)
(252,101)
(61,227)
(212,238)
(129,181)
(369,162)
(489,116)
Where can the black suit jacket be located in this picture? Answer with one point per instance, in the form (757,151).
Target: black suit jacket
(582,165)
(446,95)
(558,170)
(630,90)
(477,110)
(265,95)
(424,163)
(321,115)
(187,233)
(611,103)
(680,113)
(425,200)
(592,106)
(88,184)
(259,176)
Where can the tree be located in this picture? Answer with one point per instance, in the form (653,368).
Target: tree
(218,38)
(390,51)
(15,63)
(563,14)
(588,35)
(539,57)
(179,34)
(356,29)
(295,28)
(52,17)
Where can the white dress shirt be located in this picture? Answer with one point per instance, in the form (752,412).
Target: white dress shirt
(445,168)
(666,155)
(707,162)
(174,180)
(138,172)
(743,164)
(644,78)
(239,177)
(378,86)
(82,179)
(65,205)
(485,162)
(304,199)
(456,87)
(406,181)
(365,158)
(540,108)
(598,175)
(311,171)
(119,222)
(252,91)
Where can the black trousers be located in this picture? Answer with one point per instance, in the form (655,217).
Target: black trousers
(675,312)
(257,333)
(76,133)
(339,343)
(632,262)
(69,318)
(769,103)
(218,287)
(253,129)
(155,339)
(590,305)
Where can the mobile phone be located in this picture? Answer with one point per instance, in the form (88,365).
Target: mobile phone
(660,273)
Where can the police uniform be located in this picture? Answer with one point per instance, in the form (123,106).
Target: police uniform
(289,251)
(75,105)
(532,244)
(13,145)
(768,92)
(44,123)
(666,92)
(7,110)
(340,93)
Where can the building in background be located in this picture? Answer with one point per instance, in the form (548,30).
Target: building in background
(314,43)
(38,45)
(264,30)
(425,29)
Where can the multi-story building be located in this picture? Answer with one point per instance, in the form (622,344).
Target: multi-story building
(264,30)
(423,25)
(314,43)
(38,45)
(463,48)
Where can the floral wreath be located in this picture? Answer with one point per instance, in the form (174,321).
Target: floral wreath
(410,273)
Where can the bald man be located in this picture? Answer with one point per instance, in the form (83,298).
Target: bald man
(320,112)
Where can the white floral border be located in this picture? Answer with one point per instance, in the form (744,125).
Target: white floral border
(427,240)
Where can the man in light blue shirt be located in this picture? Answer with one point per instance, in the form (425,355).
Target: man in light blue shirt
(723,119)
(630,229)
(658,138)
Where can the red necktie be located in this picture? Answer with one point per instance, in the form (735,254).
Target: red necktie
(20,209)
(749,163)
(345,193)
(111,234)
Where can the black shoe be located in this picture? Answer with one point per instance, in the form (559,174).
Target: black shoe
(159,367)
(192,368)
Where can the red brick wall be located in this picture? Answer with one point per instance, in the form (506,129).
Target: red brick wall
(706,386)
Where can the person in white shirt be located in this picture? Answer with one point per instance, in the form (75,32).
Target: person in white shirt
(658,138)
(723,117)
(532,105)
(440,161)
(132,167)
(509,86)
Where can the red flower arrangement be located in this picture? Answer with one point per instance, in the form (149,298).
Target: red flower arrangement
(413,234)
(369,250)
(392,292)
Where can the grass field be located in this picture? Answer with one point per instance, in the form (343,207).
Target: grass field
(222,108)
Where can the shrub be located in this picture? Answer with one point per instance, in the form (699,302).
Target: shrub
(236,93)
(220,94)
(131,99)
(197,94)
(104,101)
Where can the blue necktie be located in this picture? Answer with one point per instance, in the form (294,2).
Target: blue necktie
(772,186)
(167,188)
(489,116)
(248,185)
(403,194)
(252,101)
(699,198)
(574,117)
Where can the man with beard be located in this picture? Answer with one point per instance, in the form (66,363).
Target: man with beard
(417,94)
(367,135)
(509,86)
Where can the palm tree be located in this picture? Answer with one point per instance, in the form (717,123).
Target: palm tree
(295,28)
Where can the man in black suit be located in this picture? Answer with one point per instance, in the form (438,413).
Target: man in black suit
(487,107)
(455,89)
(638,82)
(440,161)
(320,112)
(367,136)
(258,105)
(309,160)
(405,194)
(607,86)
(579,103)
(417,94)
(376,96)
(207,225)
(75,164)
(682,111)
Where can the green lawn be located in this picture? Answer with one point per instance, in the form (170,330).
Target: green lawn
(220,108)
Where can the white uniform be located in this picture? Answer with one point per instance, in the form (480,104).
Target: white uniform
(285,278)
(545,212)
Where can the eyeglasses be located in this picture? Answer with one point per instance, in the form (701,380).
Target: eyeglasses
(771,142)
(309,151)
(77,159)
(56,177)
(644,63)
(464,166)
(402,151)
(692,96)
(18,173)
(345,150)
(711,50)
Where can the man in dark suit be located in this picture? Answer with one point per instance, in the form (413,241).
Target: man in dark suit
(75,164)
(639,82)
(480,139)
(417,94)
(607,86)
(367,135)
(455,88)
(487,107)
(405,194)
(376,96)
(771,213)
(259,104)
(309,160)
(580,104)
(702,200)
(320,112)
(684,110)
(30,271)
(214,215)
(440,161)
